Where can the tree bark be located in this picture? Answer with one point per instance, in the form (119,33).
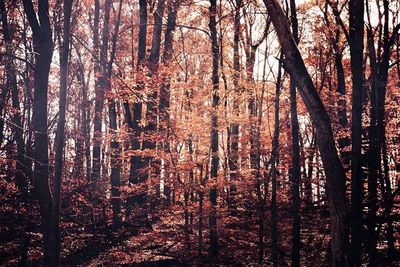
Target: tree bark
(136,175)
(214,131)
(164,101)
(274,168)
(334,171)
(95,174)
(60,136)
(151,115)
(356,42)
(295,169)
(234,127)
(43,47)
(113,124)
(377,133)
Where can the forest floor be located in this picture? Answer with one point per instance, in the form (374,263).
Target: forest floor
(168,245)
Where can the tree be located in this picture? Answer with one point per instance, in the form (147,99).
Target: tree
(234,127)
(356,42)
(377,153)
(115,146)
(334,171)
(274,167)
(295,169)
(43,46)
(60,137)
(214,130)
(135,175)
(165,94)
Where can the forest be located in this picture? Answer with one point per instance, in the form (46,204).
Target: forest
(200,133)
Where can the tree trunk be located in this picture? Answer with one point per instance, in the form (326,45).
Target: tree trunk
(310,169)
(274,166)
(295,170)
(114,145)
(377,133)
(356,42)
(164,103)
(334,171)
(214,131)
(43,47)
(60,136)
(150,130)
(99,93)
(234,127)
(134,122)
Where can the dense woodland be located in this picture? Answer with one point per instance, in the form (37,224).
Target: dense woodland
(181,132)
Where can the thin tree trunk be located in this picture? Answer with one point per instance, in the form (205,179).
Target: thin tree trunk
(60,136)
(234,127)
(274,166)
(214,131)
(308,184)
(95,174)
(295,170)
(356,42)
(114,145)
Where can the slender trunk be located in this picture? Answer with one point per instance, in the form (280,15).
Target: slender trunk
(234,127)
(373,154)
(186,214)
(114,145)
(356,42)
(60,136)
(274,166)
(200,233)
(308,184)
(261,199)
(95,174)
(295,169)
(214,131)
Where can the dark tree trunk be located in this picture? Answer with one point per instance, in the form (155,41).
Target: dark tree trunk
(274,168)
(133,122)
(60,136)
(85,117)
(114,145)
(234,127)
(214,131)
(95,174)
(43,47)
(164,102)
(295,169)
(373,156)
(310,169)
(100,87)
(377,134)
(356,42)
(150,130)
(334,171)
